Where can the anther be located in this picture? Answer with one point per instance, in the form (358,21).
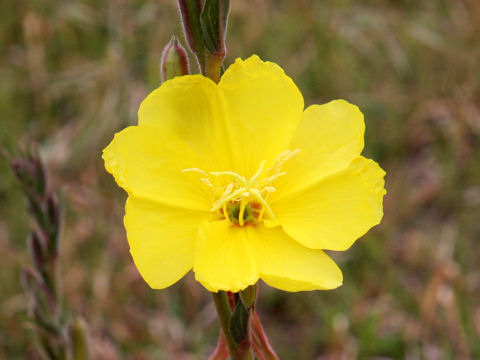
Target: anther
(241,191)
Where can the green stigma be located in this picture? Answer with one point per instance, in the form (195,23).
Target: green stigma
(233,213)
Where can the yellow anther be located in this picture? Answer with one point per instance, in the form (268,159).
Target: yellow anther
(197,170)
(269,189)
(240,178)
(207,182)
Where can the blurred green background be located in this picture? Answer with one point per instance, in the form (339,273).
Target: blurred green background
(73,72)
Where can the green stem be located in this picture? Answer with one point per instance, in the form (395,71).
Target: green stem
(213,66)
(237,351)
(224,313)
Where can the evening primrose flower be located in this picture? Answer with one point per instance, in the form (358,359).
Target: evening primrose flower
(239,183)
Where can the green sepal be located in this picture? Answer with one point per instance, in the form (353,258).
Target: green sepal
(190,12)
(239,323)
(248,296)
(174,60)
(214,18)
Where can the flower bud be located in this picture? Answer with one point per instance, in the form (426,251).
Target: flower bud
(190,12)
(174,60)
(213,19)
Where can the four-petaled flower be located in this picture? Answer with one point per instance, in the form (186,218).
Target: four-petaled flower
(238,182)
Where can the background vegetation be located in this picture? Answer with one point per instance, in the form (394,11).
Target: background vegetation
(73,72)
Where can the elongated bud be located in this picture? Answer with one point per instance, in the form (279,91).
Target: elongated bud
(190,12)
(214,19)
(174,60)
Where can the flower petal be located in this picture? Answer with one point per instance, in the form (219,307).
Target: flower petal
(263,109)
(329,137)
(224,259)
(148,163)
(289,266)
(337,210)
(234,257)
(191,108)
(161,239)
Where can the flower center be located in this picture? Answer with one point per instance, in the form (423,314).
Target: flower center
(240,200)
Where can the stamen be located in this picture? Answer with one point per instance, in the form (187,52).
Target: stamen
(219,203)
(197,170)
(241,193)
(240,178)
(282,158)
(207,182)
(269,189)
(227,190)
(255,176)
(260,216)
(276,176)
(225,213)
(242,211)
(264,203)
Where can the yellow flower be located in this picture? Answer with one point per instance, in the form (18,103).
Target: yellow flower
(240,183)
